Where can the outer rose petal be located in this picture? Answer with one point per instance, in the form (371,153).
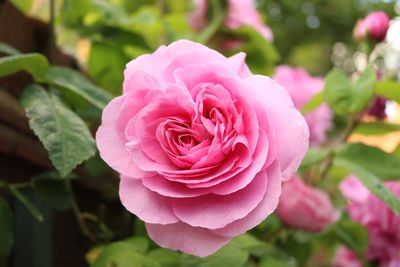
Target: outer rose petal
(239,65)
(110,144)
(180,236)
(291,130)
(214,211)
(267,205)
(147,205)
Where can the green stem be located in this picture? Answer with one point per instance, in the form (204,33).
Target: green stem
(218,17)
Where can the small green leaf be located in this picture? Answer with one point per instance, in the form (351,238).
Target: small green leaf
(352,234)
(126,253)
(34,63)
(345,97)
(9,50)
(388,89)
(52,189)
(276,262)
(165,257)
(371,182)
(23,5)
(383,165)
(376,128)
(26,202)
(314,155)
(74,81)
(6,231)
(65,136)
(314,102)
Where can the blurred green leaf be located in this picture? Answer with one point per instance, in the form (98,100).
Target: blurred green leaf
(314,155)
(165,257)
(65,136)
(74,11)
(23,5)
(6,231)
(34,63)
(345,97)
(275,262)
(9,50)
(314,102)
(351,234)
(26,202)
(126,253)
(370,181)
(388,89)
(376,128)
(52,189)
(74,81)
(383,165)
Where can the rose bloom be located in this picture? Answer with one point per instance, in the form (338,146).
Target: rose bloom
(202,145)
(382,224)
(375,24)
(305,207)
(302,87)
(344,257)
(240,13)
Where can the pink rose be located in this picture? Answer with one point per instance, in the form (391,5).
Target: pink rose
(304,207)
(382,224)
(344,257)
(201,144)
(375,23)
(302,87)
(240,13)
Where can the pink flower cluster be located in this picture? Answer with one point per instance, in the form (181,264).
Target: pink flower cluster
(375,24)
(302,87)
(305,207)
(382,224)
(202,145)
(240,13)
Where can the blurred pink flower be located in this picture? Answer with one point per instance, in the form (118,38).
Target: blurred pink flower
(382,224)
(201,145)
(375,24)
(302,87)
(240,13)
(305,207)
(344,257)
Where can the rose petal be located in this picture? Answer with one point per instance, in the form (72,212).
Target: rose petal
(267,205)
(147,205)
(214,211)
(238,64)
(180,236)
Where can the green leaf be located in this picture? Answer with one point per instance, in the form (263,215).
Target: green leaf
(126,253)
(352,234)
(376,128)
(6,231)
(383,165)
(26,202)
(74,81)
(165,257)
(314,102)
(9,50)
(314,155)
(276,262)
(343,96)
(371,182)
(388,89)
(65,136)
(235,254)
(23,5)
(34,63)
(52,189)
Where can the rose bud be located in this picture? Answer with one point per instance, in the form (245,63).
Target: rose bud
(305,207)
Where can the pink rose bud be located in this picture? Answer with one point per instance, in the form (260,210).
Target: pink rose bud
(302,87)
(344,257)
(305,207)
(382,224)
(240,13)
(375,24)
(202,145)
